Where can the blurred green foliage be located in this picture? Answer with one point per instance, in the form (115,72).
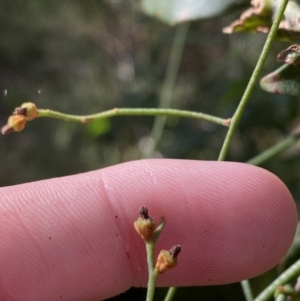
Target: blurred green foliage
(178,11)
(83,57)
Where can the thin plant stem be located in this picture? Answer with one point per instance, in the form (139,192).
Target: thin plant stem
(242,105)
(151,272)
(166,93)
(274,150)
(247,290)
(292,272)
(132,112)
(255,75)
(171,293)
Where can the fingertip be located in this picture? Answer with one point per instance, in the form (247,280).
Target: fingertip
(238,218)
(233,221)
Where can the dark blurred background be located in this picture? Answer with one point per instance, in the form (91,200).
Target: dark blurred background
(83,57)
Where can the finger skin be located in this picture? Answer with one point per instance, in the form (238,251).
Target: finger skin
(73,238)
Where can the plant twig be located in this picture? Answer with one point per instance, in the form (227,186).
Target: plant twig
(146,228)
(274,150)
(247,290)
(170,294)
(166,94)
(132,112)
(152,274)
(286,276)
(241,107)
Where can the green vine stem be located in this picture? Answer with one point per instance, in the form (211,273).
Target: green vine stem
(292,272)
(274,150)
(242,105)
(151,272)
(247,290)
(170,294)
(255,75)
(166,93)
(132,112)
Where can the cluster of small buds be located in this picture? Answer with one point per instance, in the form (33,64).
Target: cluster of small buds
(146,227)
(17,121)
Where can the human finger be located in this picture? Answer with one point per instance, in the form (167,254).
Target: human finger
(73,238)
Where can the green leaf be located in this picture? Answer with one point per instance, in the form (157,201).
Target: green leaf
(285,80)
(97,128)
(178,11)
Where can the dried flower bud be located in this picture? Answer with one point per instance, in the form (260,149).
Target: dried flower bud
(145,225)
(28,110)
(15,123)
(167,259)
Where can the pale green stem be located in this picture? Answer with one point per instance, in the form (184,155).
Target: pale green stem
(168,84)
(151,272)
(132,112)
(255,75)
(274,150)
(242,105)
(247,290)
(170,294)
(150,248)
(292,272)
